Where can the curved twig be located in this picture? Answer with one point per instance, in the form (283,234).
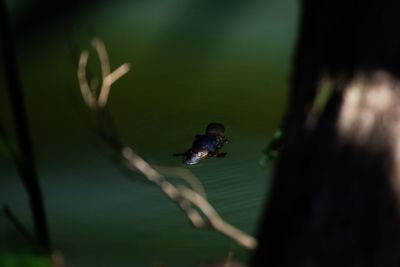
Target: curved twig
(186,198)
(183,174)
(216,221)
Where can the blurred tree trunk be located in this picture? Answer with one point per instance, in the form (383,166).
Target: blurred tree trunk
(335,198)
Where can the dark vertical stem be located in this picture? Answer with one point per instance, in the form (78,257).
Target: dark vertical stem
(17,224)
(26,162)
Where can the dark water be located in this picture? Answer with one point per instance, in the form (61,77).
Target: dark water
(193,62)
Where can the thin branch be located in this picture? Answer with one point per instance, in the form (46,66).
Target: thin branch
(109,80)
(184,174)
(170,190)
(108,77)
(26,163)
(187,199)
(8,147)
(103,56)
(17,224)
(87,94)
(216,221)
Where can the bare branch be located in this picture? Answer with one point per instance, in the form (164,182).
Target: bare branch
(103,56)
(87,94)
(170,190)
(109,80)
(184,174)
(216,221)
(187,199)
(108,77)
(17,224)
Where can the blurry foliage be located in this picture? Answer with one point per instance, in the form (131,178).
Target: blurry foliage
(27,260)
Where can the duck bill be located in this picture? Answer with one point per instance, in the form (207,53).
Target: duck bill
(194,158)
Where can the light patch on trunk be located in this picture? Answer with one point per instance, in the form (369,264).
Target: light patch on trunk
(370,107)
(370,117)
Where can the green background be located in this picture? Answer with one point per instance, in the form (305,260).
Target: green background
(193,62)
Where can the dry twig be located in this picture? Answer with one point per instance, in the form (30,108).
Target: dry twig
(186,198)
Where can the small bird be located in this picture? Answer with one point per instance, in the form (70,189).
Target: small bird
(206,146)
